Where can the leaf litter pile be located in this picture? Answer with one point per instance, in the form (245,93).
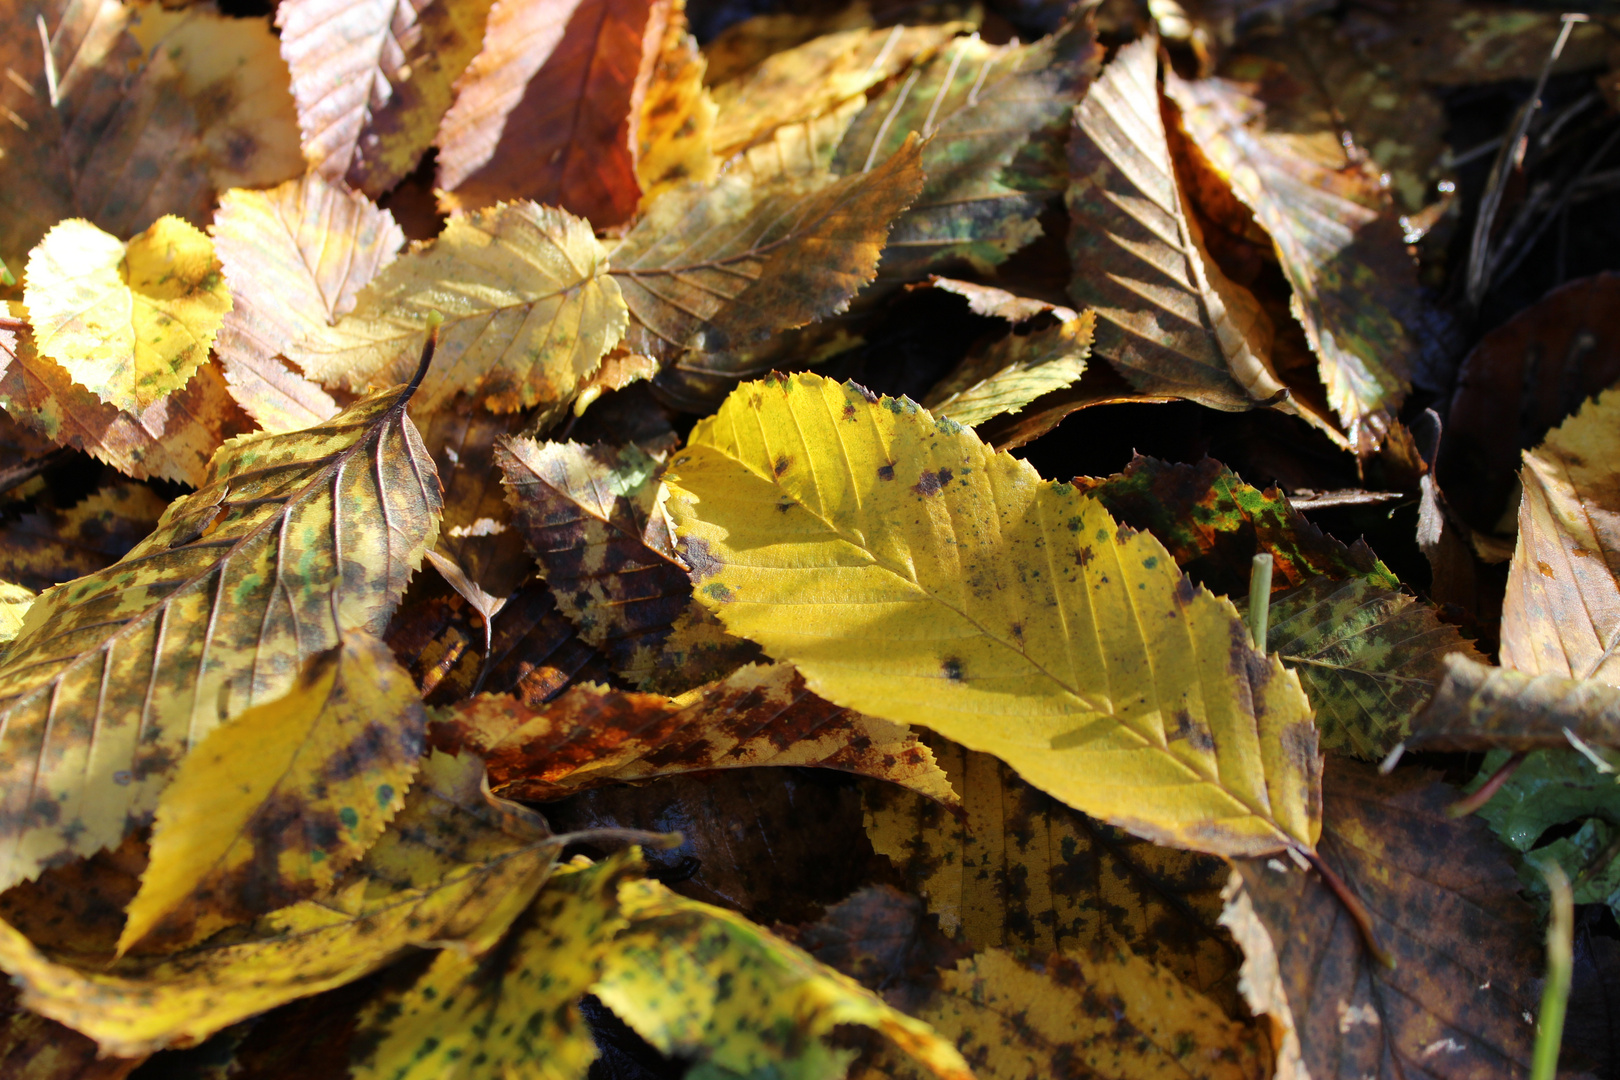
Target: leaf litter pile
(603,538)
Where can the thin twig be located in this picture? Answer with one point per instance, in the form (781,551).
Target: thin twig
(1464,807)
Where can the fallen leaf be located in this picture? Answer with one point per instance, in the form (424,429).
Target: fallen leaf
(1480,707)
(546,109)
(1008,374)
(801,492)
(999,303)
(529,311)
(34,1048)
(294,257)
(620,368)
(278,801)
(129,322)
(477,531)
(373,80)
(117,675)
(1451,42)
(675,129)
(47,548)
(761,715)
(746,43)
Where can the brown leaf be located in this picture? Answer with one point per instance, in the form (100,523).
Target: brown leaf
(34,1048)
(42,549)
(1479,707)
(1443,901)
(545,109)
(477,530)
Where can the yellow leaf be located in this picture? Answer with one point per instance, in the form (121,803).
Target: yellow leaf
(700,981)
(1010,373)
(129,322)
(277,802)
(294,257)
(14,604)
(529,311)
(1561,614)
(53,546)
(675,132)
(291,541)
(443,872)
(912,573)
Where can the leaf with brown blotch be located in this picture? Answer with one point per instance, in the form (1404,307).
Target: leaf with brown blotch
(1369,658)
(295,257)
(34,1048)
(1561,615)
(42,549)
(590,516)
(1480,707)
(547,109)
(1168,318)
(760,715)
(675,128)
(477,531)
(529,311)
(150,112)
(1020,871)
(724,266)
(173,439)
(277,802)
(1443,901)
(373,80)
(454,866)
(1214,524)
(1006,375)
(1333,226)
(997,117)
(290,541)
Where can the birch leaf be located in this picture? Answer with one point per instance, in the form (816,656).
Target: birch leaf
(291,541)
(1014,371)
(912,573)
(130,322)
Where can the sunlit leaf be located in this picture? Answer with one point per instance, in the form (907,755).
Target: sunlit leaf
(914,574)
(675,132)
(1012,372)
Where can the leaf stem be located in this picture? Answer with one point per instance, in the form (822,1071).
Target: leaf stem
(1465,806)
(1260,599)
(1352,904)
(434,320)
(1560,965)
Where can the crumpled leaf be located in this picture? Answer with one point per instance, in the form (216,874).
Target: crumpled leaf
(913,574)
(1480,707)
(760,715)
(294,257)
(1334,229)
(130,322)
(675,131)
(1010,373)
(446,870)
(546,109)
(1441,895)
(1369,659)
(291,541)
(278,801)
(1561,614)
(43,549)
(1170,320)
(372,81)
(529,310)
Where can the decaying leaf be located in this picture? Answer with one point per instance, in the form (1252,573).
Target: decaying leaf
(1012,372)
(1479,707)
(45,549)
(130,322)
(277,802)
(477,534)
(545,110)
(1369,658)
(291,541)
(372,80)
(914,574)
(529,310)
(675,130)
(294,258)
(34,1048)
(1442,899)
(1561,615)
(759,715)
(1169,319)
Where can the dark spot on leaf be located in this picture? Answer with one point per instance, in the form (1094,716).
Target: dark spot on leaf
(695,550)
(886,472)
(932,483)
(953,669)
(782,464)
(717,591)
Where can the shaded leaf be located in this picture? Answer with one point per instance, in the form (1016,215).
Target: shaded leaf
(43,549)
(130,322)
(998,303)
(294,257)
(291,541)
(529,310)
(1441,896)
(1100,385)
(1479,707)
(277,802)
(1561,614)
(1214,524)
(759,715)
(1369,658)
(477,532)
(1450,42)
(546,109)
(444,871)
(1008,374)
(911,573)
(34,1048)
(1170,320)
(372,81)
(675,131)
(1551,788)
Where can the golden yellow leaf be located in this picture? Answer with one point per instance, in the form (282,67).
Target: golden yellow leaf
(745,44)
(130,322)
(1561,614)
(674,135)
(912,573)
(372,80)
(14,603)
(702,982)
(445,871)
(1010,373)
(294,257)
(277,802)
(291,541)
(529,311)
